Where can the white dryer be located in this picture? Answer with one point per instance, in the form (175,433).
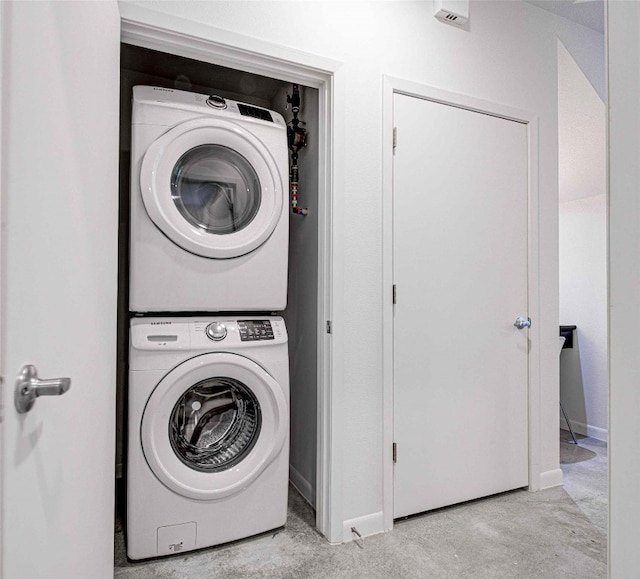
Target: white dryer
(208,450)
(209,204)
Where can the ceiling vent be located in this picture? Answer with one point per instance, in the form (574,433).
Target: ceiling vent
(454,12)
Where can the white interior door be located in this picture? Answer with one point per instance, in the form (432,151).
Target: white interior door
(60,98)
(460,195)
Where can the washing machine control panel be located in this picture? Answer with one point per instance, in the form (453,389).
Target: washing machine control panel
(205,334)
(255,330)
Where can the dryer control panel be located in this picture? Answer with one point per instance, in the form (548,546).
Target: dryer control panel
(160,104)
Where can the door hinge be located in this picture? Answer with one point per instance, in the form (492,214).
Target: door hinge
(329,326)
(395,452)
(394,294)
(395,137)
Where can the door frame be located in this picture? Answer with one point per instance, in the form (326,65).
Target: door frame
(623,235)
(147,28)
(3,338)
(392,86)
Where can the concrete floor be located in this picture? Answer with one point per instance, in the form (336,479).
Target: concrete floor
(519,534)
(584,467)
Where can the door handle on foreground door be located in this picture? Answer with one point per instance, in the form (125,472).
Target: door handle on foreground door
(29,387)
(522,323)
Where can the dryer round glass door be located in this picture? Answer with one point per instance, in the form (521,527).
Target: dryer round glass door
(213,424)
(213,188)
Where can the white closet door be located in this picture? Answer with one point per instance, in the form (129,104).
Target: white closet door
(60,101)
(460,266)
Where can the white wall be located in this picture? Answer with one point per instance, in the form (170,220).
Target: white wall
(582,146)
(508,56)
(584,381)
(583,302)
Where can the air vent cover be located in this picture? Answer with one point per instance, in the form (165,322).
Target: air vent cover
(454,12)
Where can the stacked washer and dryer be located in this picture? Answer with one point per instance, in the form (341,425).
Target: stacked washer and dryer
(208,449)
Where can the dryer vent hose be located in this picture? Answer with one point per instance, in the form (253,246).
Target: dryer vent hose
(297,138)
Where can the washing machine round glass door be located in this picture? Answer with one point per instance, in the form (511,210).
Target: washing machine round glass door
(213,424)
(213,188)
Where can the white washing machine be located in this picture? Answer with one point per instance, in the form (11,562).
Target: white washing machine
(208,450)
(209,204)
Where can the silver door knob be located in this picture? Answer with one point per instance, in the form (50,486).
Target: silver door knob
(522,323)
(29,387)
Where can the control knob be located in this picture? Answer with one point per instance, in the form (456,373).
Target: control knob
(217,102)
(216,331)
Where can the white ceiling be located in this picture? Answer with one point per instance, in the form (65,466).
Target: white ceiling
(589,13)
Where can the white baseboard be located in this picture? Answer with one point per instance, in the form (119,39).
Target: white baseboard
(587,430)
(366,526)
(303,486)
(550,479)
